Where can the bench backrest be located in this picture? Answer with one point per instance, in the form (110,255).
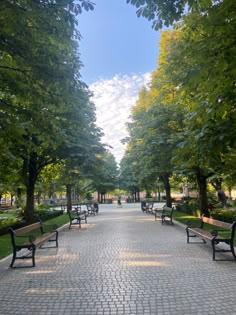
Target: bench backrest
(90,206)
(27,228)
(224,225)
(150,204)
(170,209)
(74,213)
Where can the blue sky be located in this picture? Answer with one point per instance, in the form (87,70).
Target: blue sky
(118,51)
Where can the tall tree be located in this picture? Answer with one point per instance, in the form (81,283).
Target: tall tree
(40,84)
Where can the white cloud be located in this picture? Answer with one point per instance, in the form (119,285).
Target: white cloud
(113,100)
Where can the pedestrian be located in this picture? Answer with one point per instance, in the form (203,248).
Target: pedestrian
(222,197)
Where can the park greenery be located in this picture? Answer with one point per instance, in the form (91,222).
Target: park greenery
(48,131)
(183,124)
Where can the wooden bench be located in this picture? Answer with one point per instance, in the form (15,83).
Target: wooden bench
(76,216)
(33,236)
(147,206)
(91,209)
(165,213)
(224,235)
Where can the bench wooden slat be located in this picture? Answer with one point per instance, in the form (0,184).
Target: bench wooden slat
(43,239)
(27,228)
(218,223)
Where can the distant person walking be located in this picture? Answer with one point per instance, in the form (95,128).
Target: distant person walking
(222,197)
(119,201)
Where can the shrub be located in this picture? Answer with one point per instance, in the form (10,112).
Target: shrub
(224,215)
(5,224)
(45,215)
(189,206)
(17,223)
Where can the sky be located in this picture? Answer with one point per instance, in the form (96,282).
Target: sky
(118,51)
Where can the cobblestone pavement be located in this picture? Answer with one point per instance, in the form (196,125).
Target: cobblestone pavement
(121,262)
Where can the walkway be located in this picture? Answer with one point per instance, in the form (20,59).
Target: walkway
(121,262)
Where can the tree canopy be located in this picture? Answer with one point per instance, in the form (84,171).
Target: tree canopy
(46,114)
(185,119)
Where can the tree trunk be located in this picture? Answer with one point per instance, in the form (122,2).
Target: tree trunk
(30,173)
(230,192)
(38,195)
(202,189)
(18,198)
(166,180)
(68,196)
(29,211)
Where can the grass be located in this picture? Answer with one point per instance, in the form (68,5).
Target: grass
(5,241)
(7,215)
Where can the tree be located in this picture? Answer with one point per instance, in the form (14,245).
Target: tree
(106,177)
(128,178)
(165,13)
(200,65)
(40,84)
(155,123)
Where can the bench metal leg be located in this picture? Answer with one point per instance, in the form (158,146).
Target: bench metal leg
(13,259)
(32,249)
(232,249)
(187,235)
(33,256)
(214,250)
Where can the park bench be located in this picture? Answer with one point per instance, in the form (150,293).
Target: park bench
(165,213)
(32,236)
(91,209)
(224,235)
(147,206)
(76,215)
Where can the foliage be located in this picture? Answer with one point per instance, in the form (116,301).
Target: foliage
(105,178)
(224,215)
(189,206)
(46,114)
(153,131)
(188,113)
(165,13)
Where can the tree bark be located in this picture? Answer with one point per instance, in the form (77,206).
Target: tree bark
(18,198)
(202,189)
(68,196)
(166,180)
(30,173)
